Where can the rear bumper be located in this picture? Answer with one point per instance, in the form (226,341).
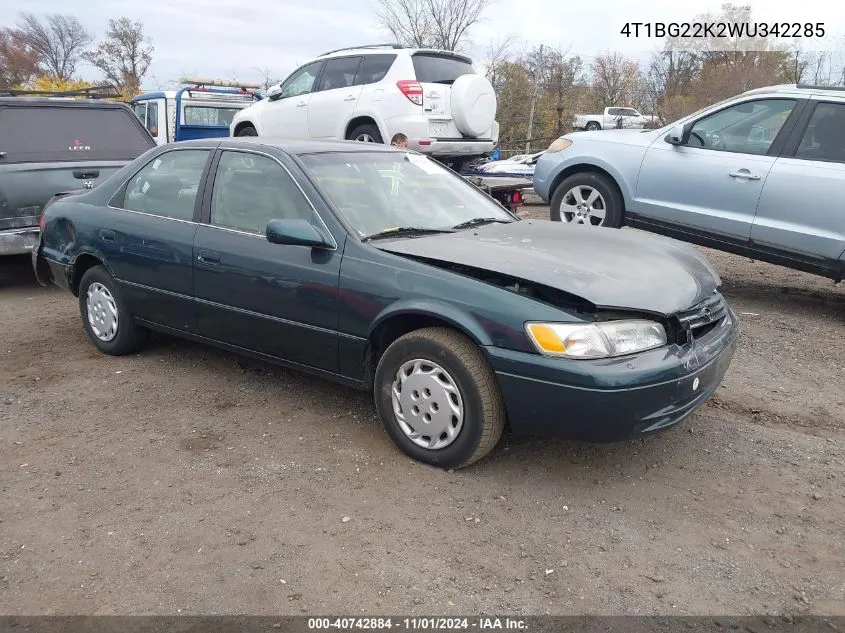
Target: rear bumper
(18,241)
(452,147)
(416,128)
(615,399)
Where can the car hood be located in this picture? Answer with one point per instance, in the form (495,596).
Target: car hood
(611,268)
(628,137)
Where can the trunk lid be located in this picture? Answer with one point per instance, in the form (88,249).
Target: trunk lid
(26,187)
(50,146)
(436,71)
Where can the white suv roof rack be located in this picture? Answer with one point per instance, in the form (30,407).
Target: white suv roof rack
(356,48)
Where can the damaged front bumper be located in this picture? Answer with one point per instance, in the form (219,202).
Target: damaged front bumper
(612,399)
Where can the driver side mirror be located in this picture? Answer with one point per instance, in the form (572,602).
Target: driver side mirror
(295,233)
(274,92)
(676,135)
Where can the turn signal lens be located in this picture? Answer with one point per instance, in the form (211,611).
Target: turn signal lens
(596,340)
(559,145)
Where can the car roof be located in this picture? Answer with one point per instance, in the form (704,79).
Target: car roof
(59,101)
(292,146)
(798,89)
(389,50)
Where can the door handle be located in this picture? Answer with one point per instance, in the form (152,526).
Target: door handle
(207,257)
(744,173)
(81,174)
(106,235)
(350,98)
(301,104)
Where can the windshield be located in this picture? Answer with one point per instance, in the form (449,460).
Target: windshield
(210,115)
(379,191)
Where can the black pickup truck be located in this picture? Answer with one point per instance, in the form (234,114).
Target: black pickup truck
(50,146)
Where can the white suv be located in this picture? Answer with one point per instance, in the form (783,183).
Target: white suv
(370,93)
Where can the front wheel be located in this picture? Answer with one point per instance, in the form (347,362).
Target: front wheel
(587,198)
(247,131)
(438,399)
(106,319)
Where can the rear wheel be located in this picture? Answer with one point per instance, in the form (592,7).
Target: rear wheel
(107,321)
(247,131)
(366,133)
(592,126)
(438,399)
(587,198)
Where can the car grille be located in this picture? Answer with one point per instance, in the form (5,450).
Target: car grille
(704,316)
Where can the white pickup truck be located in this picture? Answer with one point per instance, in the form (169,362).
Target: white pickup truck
(614,118)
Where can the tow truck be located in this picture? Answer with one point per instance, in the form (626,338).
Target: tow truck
(200,108)
(508,191)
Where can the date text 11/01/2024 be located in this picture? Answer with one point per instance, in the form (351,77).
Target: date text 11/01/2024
(724,30)
(417,624)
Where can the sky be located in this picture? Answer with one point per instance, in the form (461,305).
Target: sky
(233,39)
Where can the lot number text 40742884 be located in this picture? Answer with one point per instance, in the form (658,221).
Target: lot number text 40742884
(418,624)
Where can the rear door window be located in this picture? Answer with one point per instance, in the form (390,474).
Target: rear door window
(168,185)
(824,138)
(440,69)
(374,68)
(70,133)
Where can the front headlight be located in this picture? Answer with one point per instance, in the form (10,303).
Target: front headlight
(596,340)
(559,145)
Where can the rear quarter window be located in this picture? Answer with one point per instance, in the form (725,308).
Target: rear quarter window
(70,133)
(440,69)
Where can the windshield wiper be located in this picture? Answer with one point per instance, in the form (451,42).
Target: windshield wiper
(479,221)
(403,230)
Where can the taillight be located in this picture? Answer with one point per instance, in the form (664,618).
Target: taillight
(42,222)
(411,89)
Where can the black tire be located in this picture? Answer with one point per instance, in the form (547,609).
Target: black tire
(130,336)
(614,218)
(484,411)
(247,131)
(592,126)
(366,128)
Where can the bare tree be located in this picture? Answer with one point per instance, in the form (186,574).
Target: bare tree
(59,41)
(124,56)
(453,19)
(18,62)
(442,24)
(497,55)
(268,78)
(614,78)
(561,77)
(407,20)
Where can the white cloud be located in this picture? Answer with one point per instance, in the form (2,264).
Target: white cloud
(226,38)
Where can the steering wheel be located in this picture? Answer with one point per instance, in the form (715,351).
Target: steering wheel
(716,141)
(699,138)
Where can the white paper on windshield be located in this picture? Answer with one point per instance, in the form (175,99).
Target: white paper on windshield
(427,165)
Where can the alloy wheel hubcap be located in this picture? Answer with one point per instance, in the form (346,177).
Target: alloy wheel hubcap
(583,205)
(427,404)
(365,138)
(102,312)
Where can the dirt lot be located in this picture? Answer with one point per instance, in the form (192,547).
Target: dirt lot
(185,479)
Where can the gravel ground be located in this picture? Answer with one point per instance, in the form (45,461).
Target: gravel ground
(189,480)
